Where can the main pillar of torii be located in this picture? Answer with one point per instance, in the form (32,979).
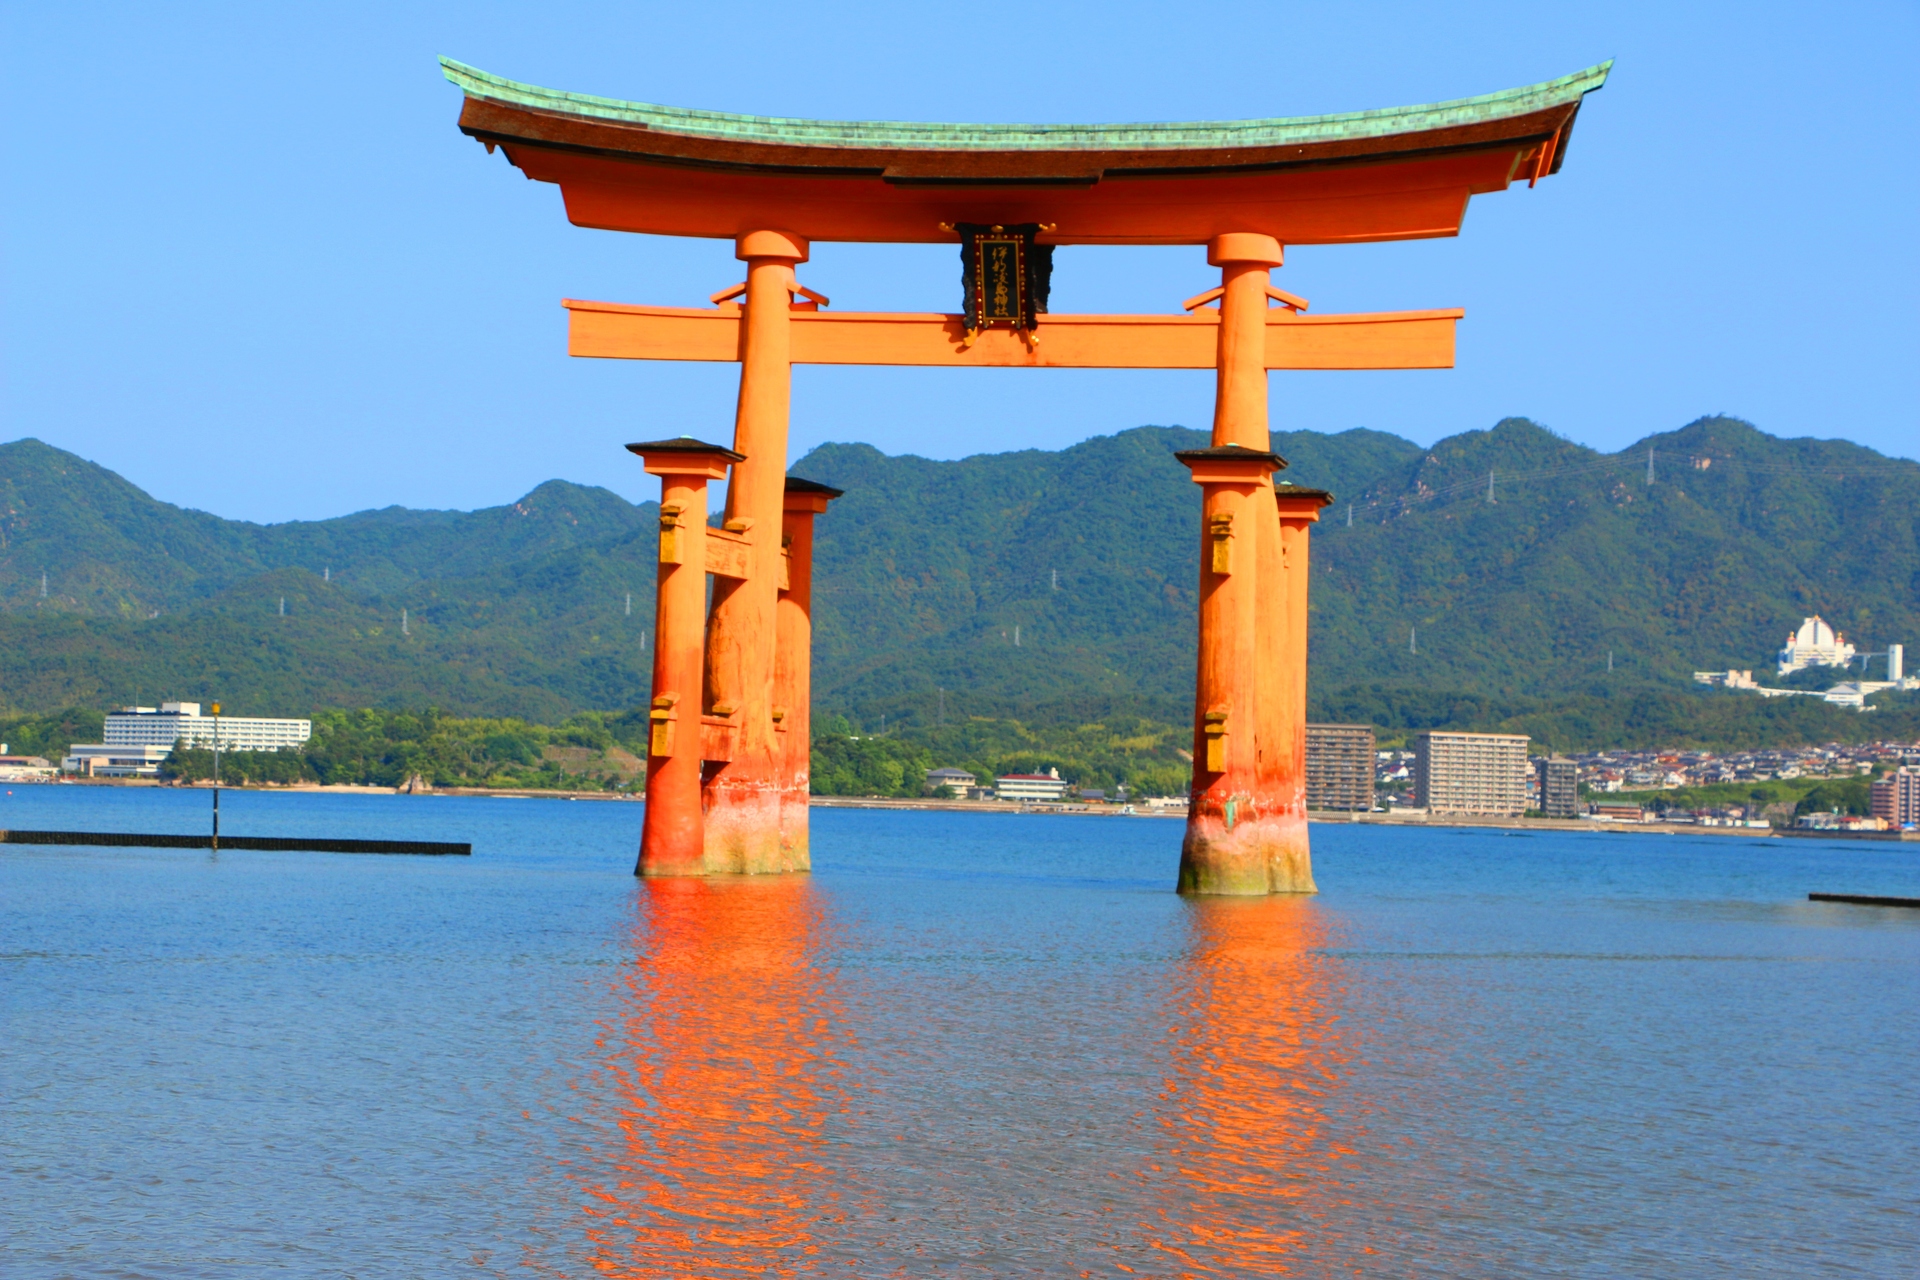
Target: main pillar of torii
(1244,189)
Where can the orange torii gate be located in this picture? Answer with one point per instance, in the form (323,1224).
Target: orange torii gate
(728,759)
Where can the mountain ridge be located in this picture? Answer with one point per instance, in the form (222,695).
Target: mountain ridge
(928,571)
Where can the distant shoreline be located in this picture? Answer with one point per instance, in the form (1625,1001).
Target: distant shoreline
(1317,817)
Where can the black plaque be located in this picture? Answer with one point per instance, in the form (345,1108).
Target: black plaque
(1006,275)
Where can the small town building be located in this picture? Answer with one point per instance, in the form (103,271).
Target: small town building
(953,782)
(99,760)
(1896,797)
(1340,765)
(1558,781)
(24,768)
(1617,812)
(1471,773)
(1045,787)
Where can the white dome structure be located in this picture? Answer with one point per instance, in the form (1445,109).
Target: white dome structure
(1815,644)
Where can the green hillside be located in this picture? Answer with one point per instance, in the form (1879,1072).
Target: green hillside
(927,572)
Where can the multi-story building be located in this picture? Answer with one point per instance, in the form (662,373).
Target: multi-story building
(1340,766)
(1031,786)
(181,722)
(1483,773)
(1559,784)
(1896,797)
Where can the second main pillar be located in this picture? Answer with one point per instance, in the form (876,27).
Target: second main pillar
(742,795)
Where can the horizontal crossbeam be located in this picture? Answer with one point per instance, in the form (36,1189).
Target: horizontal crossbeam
(1380,340)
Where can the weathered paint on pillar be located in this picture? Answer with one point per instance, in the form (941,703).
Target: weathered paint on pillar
(1231,844)
(793,665)
(672,840)
(742,796)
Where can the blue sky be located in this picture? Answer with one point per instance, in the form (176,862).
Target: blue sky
(251,264)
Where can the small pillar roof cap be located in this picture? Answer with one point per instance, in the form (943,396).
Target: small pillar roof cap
(1230,453)
(1288,489)
(796,485)
(684,444)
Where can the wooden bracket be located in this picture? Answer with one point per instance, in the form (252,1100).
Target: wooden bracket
(1221,530)
(672,548)
(814,299)
(1201,299)
(1215,729)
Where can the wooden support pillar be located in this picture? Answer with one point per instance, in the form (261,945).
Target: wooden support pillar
(673,839)
(1230,843)
(742,794)
(1246,831)
(793,665)
(1284,768)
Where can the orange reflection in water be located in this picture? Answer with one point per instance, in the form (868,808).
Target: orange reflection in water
(1256,1049)
(718,1077)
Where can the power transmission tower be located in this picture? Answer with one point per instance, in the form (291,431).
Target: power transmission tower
(629,604)
(1489,484)
(1649,466)
(1349,515)
(403,623)
(1412,647)
(1056,579)
(283,606)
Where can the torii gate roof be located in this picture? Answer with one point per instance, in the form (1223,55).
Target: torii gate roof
(1393,174)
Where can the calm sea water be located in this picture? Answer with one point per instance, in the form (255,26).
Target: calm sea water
(968,1045)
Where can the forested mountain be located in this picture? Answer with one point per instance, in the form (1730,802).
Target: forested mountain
(1517,560)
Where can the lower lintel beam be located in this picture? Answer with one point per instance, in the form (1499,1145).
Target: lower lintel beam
(1382,340)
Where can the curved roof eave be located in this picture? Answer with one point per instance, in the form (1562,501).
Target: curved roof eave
(891,135)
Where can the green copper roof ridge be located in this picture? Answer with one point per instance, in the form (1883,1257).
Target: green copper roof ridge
(794,131)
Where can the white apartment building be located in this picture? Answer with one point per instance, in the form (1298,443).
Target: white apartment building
(1484,773)
(181,722)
